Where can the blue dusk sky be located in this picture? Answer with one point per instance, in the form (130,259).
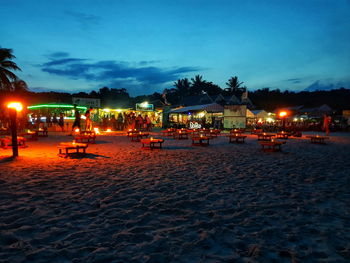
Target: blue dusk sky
(144,46)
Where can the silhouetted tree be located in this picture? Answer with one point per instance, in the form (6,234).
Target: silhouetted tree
(183,87)
(6,65)
(197,85)
(235,87)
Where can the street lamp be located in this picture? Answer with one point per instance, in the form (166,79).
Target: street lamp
(13,108)
(283,115)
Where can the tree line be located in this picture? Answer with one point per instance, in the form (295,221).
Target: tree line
(12,86)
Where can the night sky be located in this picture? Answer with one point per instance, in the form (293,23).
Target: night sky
(144,46)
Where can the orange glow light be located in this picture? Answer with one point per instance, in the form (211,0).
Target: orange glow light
(283,114)
(97,131)
(15,105)
(76,130)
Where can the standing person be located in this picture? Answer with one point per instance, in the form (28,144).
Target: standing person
(326,122)
(61,121)
(139,122)
(37,121)
(114,123)
(120,121)
(148,123)
(48,120)
(77,119)
(88,119)
(133,121)
(54,119)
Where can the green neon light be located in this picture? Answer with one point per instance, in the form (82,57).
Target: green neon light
(55,106)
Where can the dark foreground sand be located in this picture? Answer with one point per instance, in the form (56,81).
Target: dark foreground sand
(222,203)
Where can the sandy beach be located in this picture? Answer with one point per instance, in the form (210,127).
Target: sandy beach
(221,203)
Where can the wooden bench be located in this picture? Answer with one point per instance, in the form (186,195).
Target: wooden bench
(7,141)
(85,138)
(200,140)
(272,146)
(152,143)
(66,147)
(318,139)
(236,138)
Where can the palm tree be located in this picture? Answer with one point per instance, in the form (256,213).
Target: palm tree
(183,87)
(198,85)
(235,87)
(5,66)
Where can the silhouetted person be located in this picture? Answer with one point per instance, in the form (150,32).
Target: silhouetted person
(77,119)
(326,122)
(88,119)
(61,121)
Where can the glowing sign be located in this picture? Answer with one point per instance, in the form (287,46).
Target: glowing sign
(195,125)
(145,106)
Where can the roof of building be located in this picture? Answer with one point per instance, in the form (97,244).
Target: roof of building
(196,100)
(212,107)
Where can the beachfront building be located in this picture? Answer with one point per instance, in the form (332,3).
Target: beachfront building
(235,116)
(46,115)
(114,118)
(211,111)
(197,116)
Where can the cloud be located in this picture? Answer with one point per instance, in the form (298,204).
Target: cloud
(83,19)
(120,74)
(59,55)
(294,81)
(319,85)
(63,61)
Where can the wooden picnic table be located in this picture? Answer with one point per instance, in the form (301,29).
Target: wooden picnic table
(265,136)
(318,139)
(168,132)
(87,132)
(283,135)
(180,135)
(212,133)
(85,138)
(256,131)
(236,131)
(130,132)
(136,137)
(7,141)
(201,140)
(152,143)
(272,146)
(236,138)
(66,147)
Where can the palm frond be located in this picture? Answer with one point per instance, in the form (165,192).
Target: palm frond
(9,64)
(6,53)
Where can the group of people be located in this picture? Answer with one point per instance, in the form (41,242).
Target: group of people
(49,120)
(120,122)
(125,121)
(77,119)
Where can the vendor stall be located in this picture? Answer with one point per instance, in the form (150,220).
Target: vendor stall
(197,116)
